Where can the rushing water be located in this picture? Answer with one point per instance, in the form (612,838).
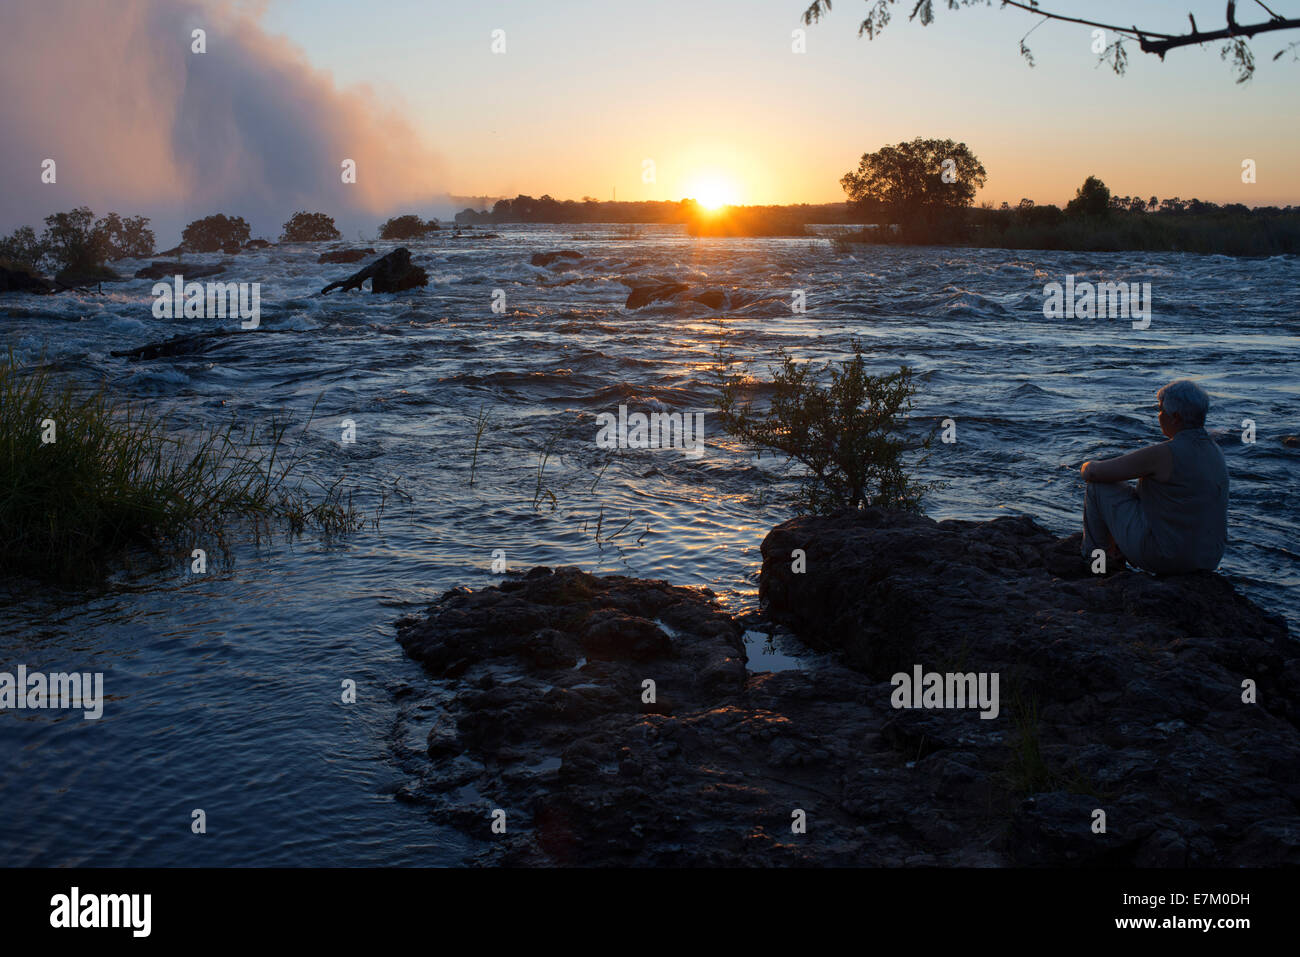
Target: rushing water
(224,689)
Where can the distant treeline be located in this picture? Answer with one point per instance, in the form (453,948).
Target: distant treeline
(1122,224)
(526,209)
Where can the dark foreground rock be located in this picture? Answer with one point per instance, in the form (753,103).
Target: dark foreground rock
(390,273)
(1120,695)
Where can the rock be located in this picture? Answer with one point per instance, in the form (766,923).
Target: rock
(182,345)
(15,278)
(1291,441)
(345,255)
(1121,694)
(1129,685)
(713,298)
(174,251)
(261,244)
(557,258)
(231,248)
(167,270)
(85,276)
(646,294)
(391,273)
(643,294)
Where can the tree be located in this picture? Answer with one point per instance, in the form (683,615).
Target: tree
(845,433)
(129,238)
(307,227)
(1236,49)
(914,179)
(1091,199)
(215,232)
(70,239)
(22,248)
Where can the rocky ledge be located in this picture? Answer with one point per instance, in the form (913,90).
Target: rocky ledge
(1164,708)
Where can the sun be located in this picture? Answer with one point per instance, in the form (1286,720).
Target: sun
(714,192)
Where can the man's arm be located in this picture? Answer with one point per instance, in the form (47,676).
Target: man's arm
(1154,461)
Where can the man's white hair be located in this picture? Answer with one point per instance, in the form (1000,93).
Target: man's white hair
(1185,398)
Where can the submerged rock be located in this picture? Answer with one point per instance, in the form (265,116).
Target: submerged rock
(345,255)
(261,244)
(391,273)
(166,270)
(556,260)
(1121,695)
(183,345)
(643,294)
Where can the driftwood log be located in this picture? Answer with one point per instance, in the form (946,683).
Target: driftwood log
(390,273)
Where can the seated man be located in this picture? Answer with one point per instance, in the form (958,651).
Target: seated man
(1176,520)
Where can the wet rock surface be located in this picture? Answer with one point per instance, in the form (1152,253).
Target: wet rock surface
(393,272)
(167,270)
(1120,694)
(345,255)
(559,260)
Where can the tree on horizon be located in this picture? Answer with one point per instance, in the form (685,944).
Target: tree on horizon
(917,179)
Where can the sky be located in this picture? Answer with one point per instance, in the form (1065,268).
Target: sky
(586,94)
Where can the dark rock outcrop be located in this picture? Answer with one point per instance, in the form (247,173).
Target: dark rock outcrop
(1120,694)
(643,294)
(391,273)
(261,244)
(562,259)
(22,279)
(345,255)
(82,276)
(166,270)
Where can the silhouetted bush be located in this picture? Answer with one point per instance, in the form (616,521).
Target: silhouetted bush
(409,226)
(213,232)
(309,228)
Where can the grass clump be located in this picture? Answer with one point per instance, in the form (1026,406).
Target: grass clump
(84,478)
